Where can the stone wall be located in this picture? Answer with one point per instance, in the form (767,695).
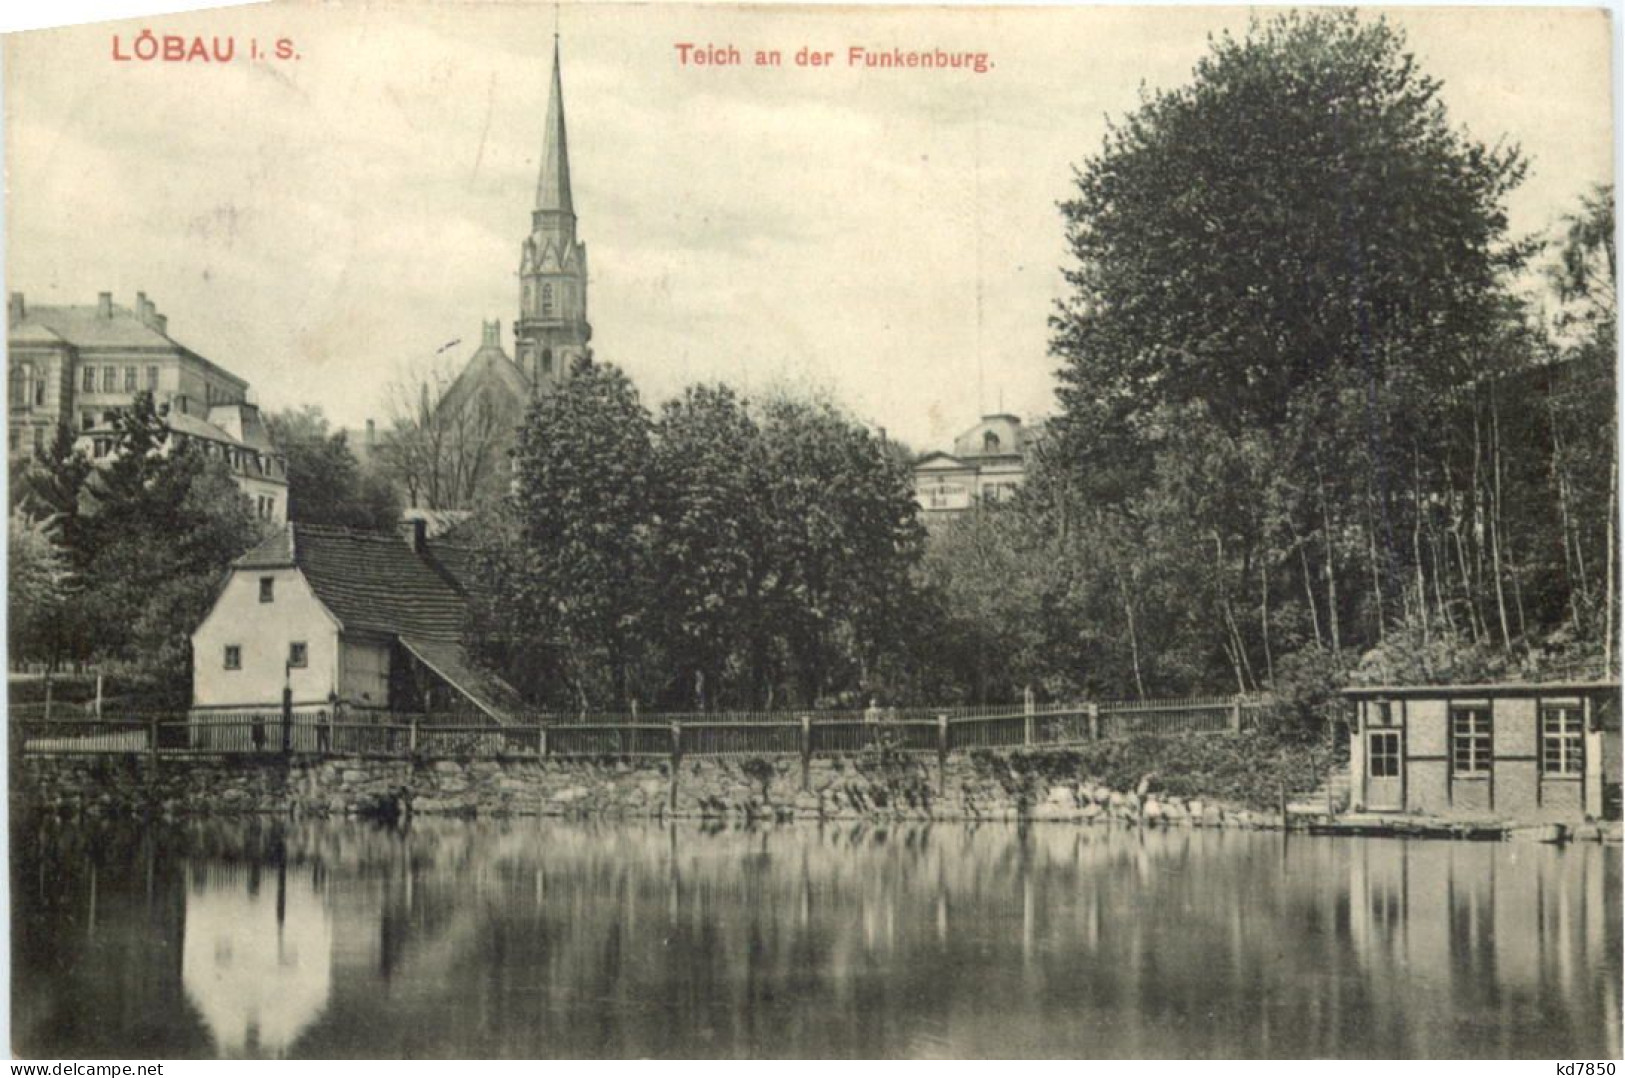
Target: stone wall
(965,787)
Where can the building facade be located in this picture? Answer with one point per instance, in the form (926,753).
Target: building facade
(372,619)
(81,364)
(988,465)
(1506,751)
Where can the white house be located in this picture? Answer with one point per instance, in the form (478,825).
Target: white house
(371,618)
(988,464)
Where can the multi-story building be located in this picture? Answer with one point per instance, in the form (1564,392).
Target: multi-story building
(80,364)
(988,464)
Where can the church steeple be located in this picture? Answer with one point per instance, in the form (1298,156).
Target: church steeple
(553,186)
(552,328)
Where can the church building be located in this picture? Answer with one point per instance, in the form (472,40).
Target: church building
(481,408)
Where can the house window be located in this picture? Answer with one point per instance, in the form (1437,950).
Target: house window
(234,657)
(87,420)
(109,379)
(267,589)
(297,653)
(129,379)
(1562,739)
(152,379)
(16,439)
(1383,759)
(990,442)
(89,382)
(1470,740)
(39,439)
(39,393)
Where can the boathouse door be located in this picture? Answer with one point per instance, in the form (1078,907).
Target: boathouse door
(1384,785)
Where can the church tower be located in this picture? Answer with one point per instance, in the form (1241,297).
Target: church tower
(552,328)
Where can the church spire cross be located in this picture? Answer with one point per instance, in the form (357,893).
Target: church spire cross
(553,185)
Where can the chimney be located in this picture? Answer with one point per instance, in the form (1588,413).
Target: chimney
(104,304)
(420,534)
(144,309)
(160,322)
(372,433)
(15,309)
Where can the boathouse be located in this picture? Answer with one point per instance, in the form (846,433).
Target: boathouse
(1511,751)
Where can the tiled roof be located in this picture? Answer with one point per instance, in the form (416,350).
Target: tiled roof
(371,581)
(84,327)
(488,692)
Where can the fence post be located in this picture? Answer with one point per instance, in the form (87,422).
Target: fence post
(287,720)
(412,737)
(47,695)
(676,759)
(942,755)
(98,696)
(1027,716)
(1235,714)
(806,754)
(541,739)
(1094,721)
(152,736)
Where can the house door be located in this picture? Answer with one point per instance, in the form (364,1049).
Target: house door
(1384,782)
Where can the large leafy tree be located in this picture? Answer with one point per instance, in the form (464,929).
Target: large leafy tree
(1288,305)
(326,485)
(565,560)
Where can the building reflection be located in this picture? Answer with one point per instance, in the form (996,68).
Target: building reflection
(257,957)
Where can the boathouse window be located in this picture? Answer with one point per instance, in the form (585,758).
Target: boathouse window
(1470,740)
(298,654)
(267,589)
(1562,739)
(234,657)
(1383,759)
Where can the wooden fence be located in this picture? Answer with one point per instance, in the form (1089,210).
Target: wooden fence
(318,730)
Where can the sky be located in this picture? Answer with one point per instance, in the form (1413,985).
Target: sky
(325,226)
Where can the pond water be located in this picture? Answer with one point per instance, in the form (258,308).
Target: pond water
(552,939)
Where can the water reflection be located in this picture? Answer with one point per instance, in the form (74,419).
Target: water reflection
(529,938)
(258,954)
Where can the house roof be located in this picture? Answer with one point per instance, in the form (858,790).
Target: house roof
(488,692)
(84,326)
(371,581)
(1497,688)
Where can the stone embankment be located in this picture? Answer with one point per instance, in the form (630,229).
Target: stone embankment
(861,786)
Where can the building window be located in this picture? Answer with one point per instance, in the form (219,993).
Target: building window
(88,384)
(129,379)
(152,379)
(1562,739)
(39,439)
(547,301)
(16,439)
(87,420)
(1470,740)
(990,442)
(547,361)
(234,657)
(297,653)
(109,379)
(39,393)
(1382,761)
(267,589)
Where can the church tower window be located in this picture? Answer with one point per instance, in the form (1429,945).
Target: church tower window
(547,301)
